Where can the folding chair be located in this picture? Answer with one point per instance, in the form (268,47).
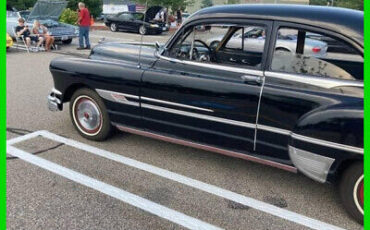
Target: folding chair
(20,39)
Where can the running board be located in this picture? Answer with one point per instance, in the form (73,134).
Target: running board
(207,148)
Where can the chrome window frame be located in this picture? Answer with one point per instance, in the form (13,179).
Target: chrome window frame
(267,24)
(274,35)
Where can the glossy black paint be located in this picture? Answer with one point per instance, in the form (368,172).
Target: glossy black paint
(132,21)
(333,114)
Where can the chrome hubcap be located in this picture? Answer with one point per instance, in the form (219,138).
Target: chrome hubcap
(88,115)
(113,27)
(142,30)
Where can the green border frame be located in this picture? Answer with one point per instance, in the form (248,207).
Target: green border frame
(366,111)
(2,115)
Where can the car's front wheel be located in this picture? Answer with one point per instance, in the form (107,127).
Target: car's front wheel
(142,30)
(113,27)
(89,115)
(352,191)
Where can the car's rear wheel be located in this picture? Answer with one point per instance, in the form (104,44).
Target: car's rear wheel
(352,191)
(67,42)
(89,115)
(113,27)
(143,30)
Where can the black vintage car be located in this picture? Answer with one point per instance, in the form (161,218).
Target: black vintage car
(137,22)
(299,110)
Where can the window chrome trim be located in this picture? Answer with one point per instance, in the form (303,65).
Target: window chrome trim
(176,104)
(321,82)
(200,116)
(328,143)
(212,66)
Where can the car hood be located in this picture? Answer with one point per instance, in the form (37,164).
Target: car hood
(47,9)
(124,52)
(151,12)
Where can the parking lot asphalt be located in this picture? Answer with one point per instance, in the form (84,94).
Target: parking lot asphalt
(40,199)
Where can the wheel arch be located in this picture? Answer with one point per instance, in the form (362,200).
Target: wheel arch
(331,135)
(73,88)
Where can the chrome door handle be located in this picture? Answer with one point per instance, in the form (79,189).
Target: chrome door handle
(232,60)
(252,79)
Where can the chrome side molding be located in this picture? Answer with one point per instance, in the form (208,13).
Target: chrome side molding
(312,165)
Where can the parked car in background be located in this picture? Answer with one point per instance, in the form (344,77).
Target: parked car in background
(24,14)
(334,46)
(185,16)
(48,13)
(137,22)
(9,41)
(253,38)
(292,110)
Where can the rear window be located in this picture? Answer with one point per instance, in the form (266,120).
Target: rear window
(305,52)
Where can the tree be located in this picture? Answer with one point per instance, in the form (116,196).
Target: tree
(170,4)
(69,16)
(95,6)
(21,4)
(233,1)
(352,4)
(206,3)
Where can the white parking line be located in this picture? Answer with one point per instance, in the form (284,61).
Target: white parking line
(253,203)
(132,199)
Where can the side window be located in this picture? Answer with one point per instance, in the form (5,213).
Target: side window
(224,44)
(125,16)
(305,52)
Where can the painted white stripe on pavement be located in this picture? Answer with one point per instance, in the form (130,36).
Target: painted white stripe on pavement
(132,199)
(253,203)
(24,137)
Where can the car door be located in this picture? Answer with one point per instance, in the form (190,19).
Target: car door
(122,20)
(304,88)
(200,99)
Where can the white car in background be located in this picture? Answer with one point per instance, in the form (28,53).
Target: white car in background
(254,40)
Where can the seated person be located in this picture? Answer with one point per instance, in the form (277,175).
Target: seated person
(42,32)
(23,30)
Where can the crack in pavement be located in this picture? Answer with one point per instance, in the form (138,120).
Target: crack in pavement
(22,132)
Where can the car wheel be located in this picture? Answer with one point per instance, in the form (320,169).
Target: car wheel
(67,42)
(142,30)
(352,191)
(89,115)
(113,27)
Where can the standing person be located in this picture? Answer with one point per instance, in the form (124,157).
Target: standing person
(84,26)
(179,17)
(43,32)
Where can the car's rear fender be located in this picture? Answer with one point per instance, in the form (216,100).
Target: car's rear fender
(327,137)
